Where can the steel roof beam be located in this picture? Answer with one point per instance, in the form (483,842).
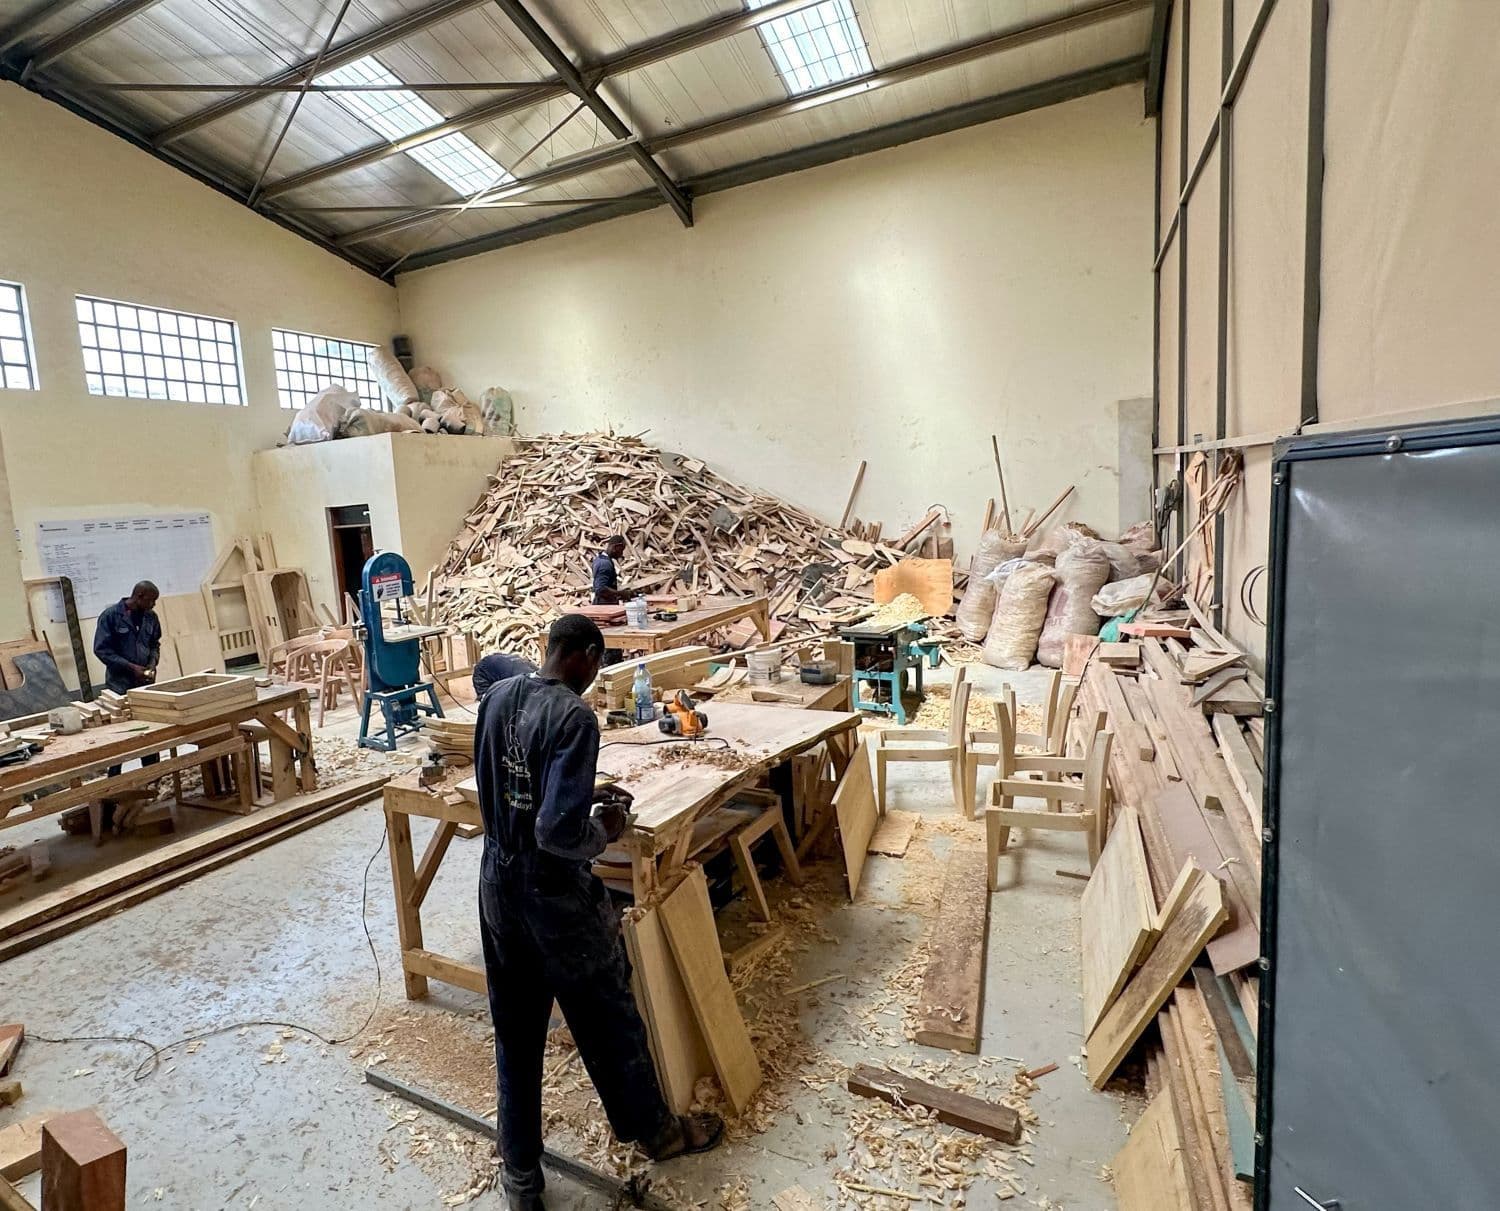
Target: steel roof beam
(544,91)
(419,86)
(560,63)
(356,48)
(27,24)
(71,39)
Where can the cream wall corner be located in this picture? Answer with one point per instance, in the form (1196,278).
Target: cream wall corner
(898,307)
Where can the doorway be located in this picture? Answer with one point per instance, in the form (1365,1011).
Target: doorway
(352,543)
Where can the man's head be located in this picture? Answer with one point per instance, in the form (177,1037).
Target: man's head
(143,597)
(575,648)
(614,546)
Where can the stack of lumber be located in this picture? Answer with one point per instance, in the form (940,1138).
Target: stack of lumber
(454,738)
(1171,921)
(523,554)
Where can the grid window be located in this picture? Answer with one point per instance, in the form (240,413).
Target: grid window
(305,364)
(17,369)
(148,353)
(815,46)
(455,159)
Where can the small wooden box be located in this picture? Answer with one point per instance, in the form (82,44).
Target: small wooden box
(191,699)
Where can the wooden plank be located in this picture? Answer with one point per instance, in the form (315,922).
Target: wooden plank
(1239,763)
(439,967)
(949,1008)
(1198,668)
(688,919)
(989,1119)
(198,651)
(677,1045)
(1118,917)
(10,1198)
(1197,1038)
(1149,1172)
(1214,686)
(893,835)
(1154,630)
(1191,836)
(85,891)
(854,806)
(83,1164)
(1078,650)
(11,1038)
(21,1146)
(1122,655)
(1182,940)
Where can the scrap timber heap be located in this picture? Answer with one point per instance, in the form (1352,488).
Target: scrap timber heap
(523,554)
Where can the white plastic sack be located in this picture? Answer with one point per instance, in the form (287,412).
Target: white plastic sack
(362,423)
(395,383)
(1060,538)
(322,417)
(1020,611)
(1122,596)
(978,604)
(1082,571)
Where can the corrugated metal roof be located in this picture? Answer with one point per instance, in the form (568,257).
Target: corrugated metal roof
(689,65)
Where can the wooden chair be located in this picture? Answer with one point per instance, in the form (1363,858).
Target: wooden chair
(770,820)
(1001,746)
(1091,796)
(328,663)
(924,744)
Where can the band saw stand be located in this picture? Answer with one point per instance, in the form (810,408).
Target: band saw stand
(393,651)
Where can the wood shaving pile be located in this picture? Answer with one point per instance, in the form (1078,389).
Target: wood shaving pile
(339,759)
(693,752)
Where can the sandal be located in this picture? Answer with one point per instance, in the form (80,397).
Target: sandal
(686,1133)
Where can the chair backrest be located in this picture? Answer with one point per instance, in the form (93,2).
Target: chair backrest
(1061,709)
(1049,709)
(1096,771)
(958,721)
(1005,729)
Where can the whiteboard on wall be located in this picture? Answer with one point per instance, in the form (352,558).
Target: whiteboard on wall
(105,556)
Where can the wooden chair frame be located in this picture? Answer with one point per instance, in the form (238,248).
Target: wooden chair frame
(1051,757)
(929,744)
(770,820)
(1091,796)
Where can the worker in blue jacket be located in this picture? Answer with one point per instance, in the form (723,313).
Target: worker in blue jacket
(548,929)
(127,639)
(127,642)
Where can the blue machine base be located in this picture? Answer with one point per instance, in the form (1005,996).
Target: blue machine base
(401,711)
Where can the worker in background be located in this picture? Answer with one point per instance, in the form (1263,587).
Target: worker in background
(547,925)
(607,589)
(491,670)
(127,642)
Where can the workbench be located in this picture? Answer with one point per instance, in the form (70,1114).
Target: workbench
(669,798)
(71,769)
(835,697)
(689,624)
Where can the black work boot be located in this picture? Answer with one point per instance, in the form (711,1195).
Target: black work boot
(684,1133)
(523,1189)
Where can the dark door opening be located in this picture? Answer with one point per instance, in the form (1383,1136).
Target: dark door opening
(353,544)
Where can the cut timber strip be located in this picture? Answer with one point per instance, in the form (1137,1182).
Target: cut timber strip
(989,1119)
(893,835)
(1239,762)
(21,1146)
(98,896)
(1148,1170)
(854,806)
(11,1038)
(1181,941)
(952,996)
(1118,918)
(688,919)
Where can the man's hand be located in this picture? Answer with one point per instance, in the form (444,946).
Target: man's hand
(614,809)
(141,671)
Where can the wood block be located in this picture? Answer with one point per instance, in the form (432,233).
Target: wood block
(956,1109)
(688,919)
(854,805)
(677,1045)
(795,1198)
(1119,655)
(21,1146)
(11,1038)
(1149,1172)
(83,1164)
(1182,940)
(1118,917)
(893,834)
(1077,651)
(1154,630)
(949,1008)
(10,1092)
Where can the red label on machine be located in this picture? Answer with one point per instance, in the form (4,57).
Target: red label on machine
(386,587)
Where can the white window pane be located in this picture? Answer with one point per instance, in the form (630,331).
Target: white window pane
(10,324)
(13,352)
(18,378)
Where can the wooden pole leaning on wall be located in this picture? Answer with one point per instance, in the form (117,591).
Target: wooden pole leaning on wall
(1000,471)
(859,477)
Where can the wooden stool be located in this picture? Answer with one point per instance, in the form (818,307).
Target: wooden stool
(770,821)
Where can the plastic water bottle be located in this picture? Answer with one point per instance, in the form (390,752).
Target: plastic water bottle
(645,708)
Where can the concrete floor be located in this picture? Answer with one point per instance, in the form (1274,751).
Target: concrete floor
(268,1116)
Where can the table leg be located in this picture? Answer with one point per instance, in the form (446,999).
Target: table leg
(302,720)
(244,774)
(403,882)
(643,872)
(283,770)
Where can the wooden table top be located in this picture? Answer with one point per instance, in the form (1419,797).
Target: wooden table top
(97,744)
(670,793)
(715,612)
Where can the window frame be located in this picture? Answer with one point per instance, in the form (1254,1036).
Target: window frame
(27,342)
(144,334)
(375,401)
(780,33)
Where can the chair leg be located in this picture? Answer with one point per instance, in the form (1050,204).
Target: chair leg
(787,850)
(1093,836)
(880,759)
(995,838)
(960,780)
(746,862)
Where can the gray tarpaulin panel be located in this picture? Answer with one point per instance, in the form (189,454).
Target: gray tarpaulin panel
(1385,1053)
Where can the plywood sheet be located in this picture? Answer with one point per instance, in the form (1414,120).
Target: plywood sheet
(688,918)
(894,833)
(854,805)
(930,581)
(1182,940)
(950,1006)
(677,1045)
(1117,915)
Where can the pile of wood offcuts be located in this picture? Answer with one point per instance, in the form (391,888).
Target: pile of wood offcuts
(523,554)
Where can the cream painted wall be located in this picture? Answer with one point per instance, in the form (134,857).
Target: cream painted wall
(418,489)
(898,307)
(84,212)
(12,597)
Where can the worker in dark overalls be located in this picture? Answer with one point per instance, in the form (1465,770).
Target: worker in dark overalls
(548,928)
(127,642)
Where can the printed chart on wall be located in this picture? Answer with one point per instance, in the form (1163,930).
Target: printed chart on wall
(105,556)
